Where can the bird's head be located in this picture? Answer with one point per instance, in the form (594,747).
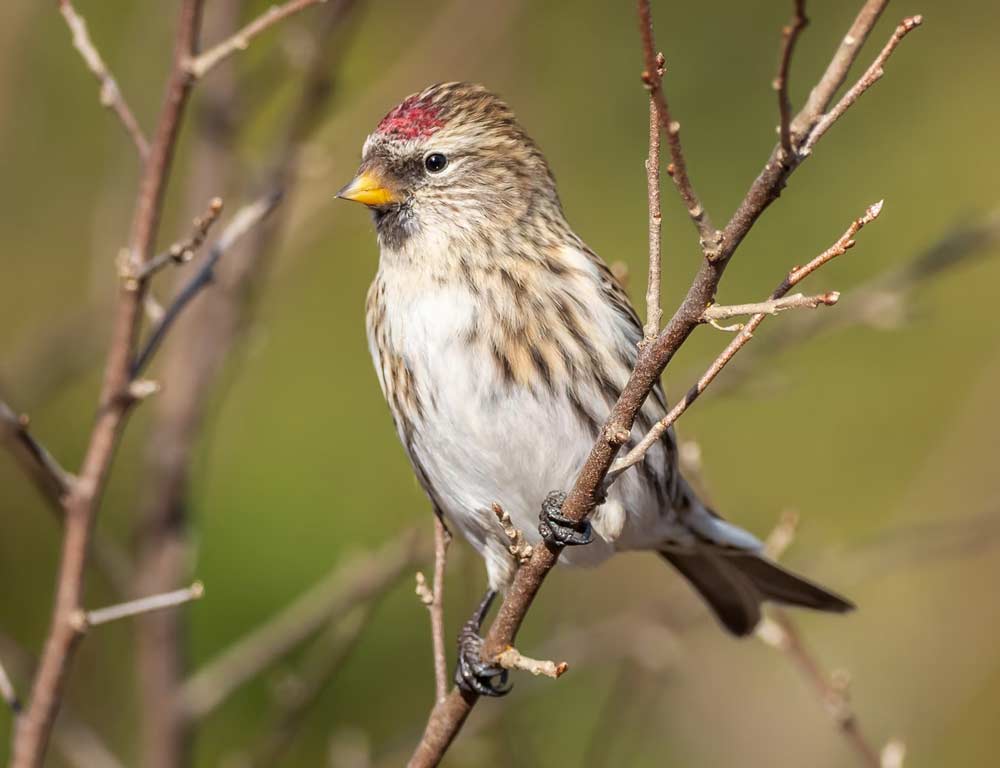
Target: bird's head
(451,161)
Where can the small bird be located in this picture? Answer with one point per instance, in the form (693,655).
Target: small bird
(501,342)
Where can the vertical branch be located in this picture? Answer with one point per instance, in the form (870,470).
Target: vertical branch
(442,538)
(653,311)
(789,36)
(35,727)
(652,77)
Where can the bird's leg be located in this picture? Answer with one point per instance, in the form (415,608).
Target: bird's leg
(557,529)
(472,673)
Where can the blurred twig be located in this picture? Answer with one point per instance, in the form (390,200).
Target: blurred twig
(79,745)
(52,481)
(199,65)
(779,631)
(298,693)
(110,95)
(351,584)
(202,347)
(248,217)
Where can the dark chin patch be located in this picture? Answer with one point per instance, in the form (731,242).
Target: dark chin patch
(394,225)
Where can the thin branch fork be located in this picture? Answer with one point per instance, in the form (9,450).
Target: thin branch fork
(200,65)
(110,94)
(797,275)
(871,76)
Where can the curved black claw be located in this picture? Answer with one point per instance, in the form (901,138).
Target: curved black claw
(472,673)
(557,529)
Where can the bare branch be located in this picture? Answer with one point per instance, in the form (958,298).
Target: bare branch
(110,95)
(868,79)
(442,538)
(677,170)
(511,658)
(654,312)
(797,275)
(789,35)
(87,619)
(245,219)
(46,473)
(778,631)
(182,251)
(718,312)
(356,582)
(199,65)
(34,728)
(300,690)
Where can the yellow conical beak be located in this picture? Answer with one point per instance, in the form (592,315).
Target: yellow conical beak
(368,189)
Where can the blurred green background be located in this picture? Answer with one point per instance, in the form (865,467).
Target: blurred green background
(883,434)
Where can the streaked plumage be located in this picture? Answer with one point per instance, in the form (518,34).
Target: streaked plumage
(501,341)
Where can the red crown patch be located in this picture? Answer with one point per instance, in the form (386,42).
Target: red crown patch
(413,119)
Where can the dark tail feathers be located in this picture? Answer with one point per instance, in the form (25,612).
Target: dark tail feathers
(734,584)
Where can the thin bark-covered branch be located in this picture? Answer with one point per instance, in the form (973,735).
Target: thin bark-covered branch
(86,619)
(718,312)
(652,76)
(110,94)
(789,36)
(248,217)
(182,251)
(654,312)
(200,65)
(45,472)
(350,584)
(35,726)
(442,538)
(447,718)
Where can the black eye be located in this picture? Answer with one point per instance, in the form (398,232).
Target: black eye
(435,162)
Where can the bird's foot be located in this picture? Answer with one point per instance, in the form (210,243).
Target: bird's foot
(557,529)
(472,673)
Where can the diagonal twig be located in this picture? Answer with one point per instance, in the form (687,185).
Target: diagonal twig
(348,585)
(110,94)
(182,251)
(200,65)
(52,480)
(245,219)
